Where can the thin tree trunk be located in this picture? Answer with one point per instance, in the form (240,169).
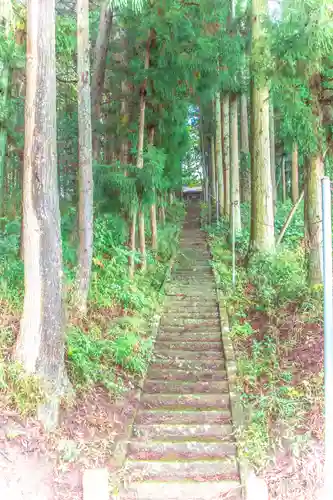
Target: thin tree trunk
(5,15)
(99,66)
(124,121)
(245,174)
(131,262)
(314,171)
(85,159)
(212,154)
(235,216)
(226,152)
(152,209)
(294,174)
(262,218)
(153,222)
(142,238)
(218,145)
(143,88)
(40,345)
(283,179)
(161,212)
(272,153)
(244,125)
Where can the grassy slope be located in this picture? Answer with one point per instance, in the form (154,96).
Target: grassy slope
(277,332)
(113,342)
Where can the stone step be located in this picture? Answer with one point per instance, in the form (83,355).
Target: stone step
(183,432)
(183,301)
(204,327)
(188,375)
(193,295)
(189,490)
(189,450)
(211,355)
(170,387)
(146,417)
(179,289)
(188,364)
(184,309)
(189,336)
(200,471)
(209,314)
(178,320)
(182,345)
(183,401)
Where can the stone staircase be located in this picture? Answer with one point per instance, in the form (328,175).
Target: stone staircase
(182,445)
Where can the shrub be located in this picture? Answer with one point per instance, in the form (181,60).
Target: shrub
(278,278)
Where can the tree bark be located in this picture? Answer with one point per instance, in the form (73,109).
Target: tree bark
(143,91)
(142,238)
(262,217)
(226,152)
(283,179)
(212,161)
(152,210)
(314,171)
(99,66)
(40,345)
(235,216)
(5,16)
(218,145)
(131,262)
(85,159)
(272,153)
(244,125)
(294,174)
(245,174)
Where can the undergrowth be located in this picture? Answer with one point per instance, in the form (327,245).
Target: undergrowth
(274,317)
(114,341)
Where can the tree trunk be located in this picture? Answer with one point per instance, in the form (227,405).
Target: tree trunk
(294,174)
(124,121)
(218,144)
(131,262)
(226,152)
(152,210)
(235,216)
(99,66)
(283,179)
(161,212)
(314,171)
(142,238)
(245,174)
(141,131)
(212,161)
(5,16)
(244,125)
(262,217)
(85,159)
(272,153)
(153,222)
(40,345)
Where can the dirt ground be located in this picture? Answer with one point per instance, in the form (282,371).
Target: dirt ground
(36,466)
(294,476)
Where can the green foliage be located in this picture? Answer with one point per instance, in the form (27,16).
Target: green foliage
(295,232)
(89,360)
(19,391)
(11,268)
(279,278)
(132,353)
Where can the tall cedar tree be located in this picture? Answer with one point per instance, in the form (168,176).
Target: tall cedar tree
(40,344)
